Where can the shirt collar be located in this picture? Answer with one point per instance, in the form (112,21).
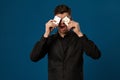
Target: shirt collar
(68,34)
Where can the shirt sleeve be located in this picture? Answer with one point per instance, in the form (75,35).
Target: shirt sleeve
(39,50)
(90,47)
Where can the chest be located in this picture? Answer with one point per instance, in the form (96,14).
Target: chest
(70,46)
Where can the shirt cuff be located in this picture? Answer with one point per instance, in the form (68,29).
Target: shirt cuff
(84,37)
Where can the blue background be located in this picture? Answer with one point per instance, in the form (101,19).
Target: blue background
(22,24)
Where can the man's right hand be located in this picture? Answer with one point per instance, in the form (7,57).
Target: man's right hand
(49,27)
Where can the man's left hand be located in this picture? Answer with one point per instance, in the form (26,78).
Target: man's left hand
(75,27)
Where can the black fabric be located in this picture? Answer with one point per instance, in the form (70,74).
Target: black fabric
(65,41)
(65,55)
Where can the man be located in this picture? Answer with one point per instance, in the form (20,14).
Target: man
(65,48)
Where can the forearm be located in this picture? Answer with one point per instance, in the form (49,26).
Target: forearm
(90,48)
(39,50)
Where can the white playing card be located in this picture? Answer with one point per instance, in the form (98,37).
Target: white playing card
(57,20)
(66,20)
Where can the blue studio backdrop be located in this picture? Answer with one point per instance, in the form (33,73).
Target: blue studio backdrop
(22,23)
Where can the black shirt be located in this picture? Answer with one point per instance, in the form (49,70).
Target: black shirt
(65,41)
(67,64)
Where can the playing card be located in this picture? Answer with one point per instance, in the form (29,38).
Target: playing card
(66,20)
(57,20)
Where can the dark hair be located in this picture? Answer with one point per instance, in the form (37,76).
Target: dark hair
(61,9)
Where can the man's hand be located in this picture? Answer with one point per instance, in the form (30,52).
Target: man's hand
(49,27)
(75,27)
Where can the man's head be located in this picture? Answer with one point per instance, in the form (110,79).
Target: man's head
(62,11)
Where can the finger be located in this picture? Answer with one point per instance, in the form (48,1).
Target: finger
(52,28)
(51,20)
(68,26)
